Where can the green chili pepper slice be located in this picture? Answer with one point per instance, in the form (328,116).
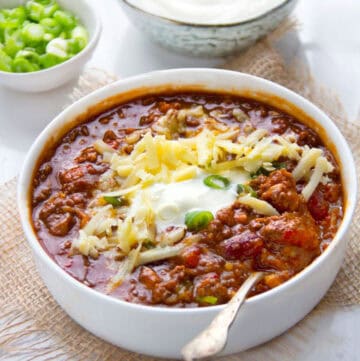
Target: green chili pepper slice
(197,220)
(217,181)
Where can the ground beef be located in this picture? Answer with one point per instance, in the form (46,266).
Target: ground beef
(293,229)
(279,189)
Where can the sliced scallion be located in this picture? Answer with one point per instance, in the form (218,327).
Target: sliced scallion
(35,10)
(114,201)
(244,188)
(50,9)
(22,65)
(65,19)
(260,171)
(5,61)
(51,26)
(33,33)
(197,220)
(54,34)
(217,181)
(279,165)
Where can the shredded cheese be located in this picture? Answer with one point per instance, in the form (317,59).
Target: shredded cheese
(258,205)
(322,166)
(160,253)
(307,161)
(125,268)
(167,158)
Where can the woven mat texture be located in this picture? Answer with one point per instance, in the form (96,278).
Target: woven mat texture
(34,327)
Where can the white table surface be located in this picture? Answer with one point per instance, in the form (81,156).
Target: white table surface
(329,40)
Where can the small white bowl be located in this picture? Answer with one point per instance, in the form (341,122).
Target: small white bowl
(161,331)
(57,75)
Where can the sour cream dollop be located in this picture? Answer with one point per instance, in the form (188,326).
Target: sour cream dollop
(172,201)
(210,12)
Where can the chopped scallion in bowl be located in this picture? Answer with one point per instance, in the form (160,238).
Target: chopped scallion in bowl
(39,35)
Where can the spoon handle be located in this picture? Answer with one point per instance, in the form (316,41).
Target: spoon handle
(213,339)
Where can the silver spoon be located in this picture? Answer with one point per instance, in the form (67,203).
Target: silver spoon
(213,339)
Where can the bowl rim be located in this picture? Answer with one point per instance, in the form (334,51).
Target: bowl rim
(198,25)
(135,83)
(88,48)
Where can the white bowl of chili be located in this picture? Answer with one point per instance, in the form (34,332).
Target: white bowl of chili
(163,331)
(58,73)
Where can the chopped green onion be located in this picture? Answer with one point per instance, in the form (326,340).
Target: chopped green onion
(64,18)
(217,181)
(13,43)
(79,36)
(48,37)
(40,48)
(53,34)
(44,2)
(197,220)
(28,54)
(49,60)
(7,23)
(51,26)
(35,10)
(240,188)
(22,65)
(58,47)
(115,201)
(50,9)
(279,165)
(264,171)
(244,188)
(33,33)
(212,300)
(18,15)
(260,171)
(5,62)
(148,244)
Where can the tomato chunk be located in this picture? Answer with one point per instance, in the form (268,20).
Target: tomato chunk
(191,256)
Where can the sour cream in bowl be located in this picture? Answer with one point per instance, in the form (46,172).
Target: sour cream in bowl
(207,12)
(207,27)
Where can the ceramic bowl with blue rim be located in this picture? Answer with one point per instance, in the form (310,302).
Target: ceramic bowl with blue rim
(212,40)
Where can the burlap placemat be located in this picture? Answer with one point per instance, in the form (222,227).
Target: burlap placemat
(34,327)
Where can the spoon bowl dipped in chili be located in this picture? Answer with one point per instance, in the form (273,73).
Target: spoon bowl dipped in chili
(172,199)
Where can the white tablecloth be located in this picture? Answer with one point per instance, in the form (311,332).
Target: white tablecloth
(328,39)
